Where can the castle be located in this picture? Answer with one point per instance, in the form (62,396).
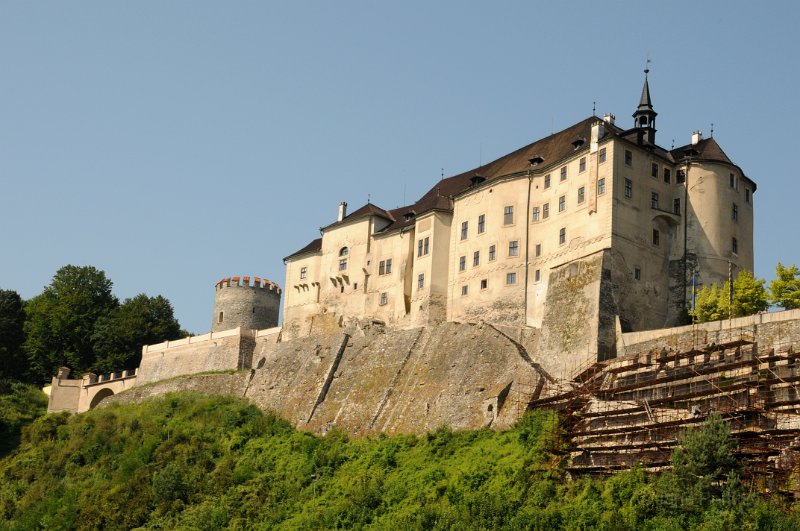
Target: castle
(589,232)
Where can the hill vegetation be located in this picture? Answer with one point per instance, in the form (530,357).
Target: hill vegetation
(197,462)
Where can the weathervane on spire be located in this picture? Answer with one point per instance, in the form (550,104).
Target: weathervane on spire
(647,66)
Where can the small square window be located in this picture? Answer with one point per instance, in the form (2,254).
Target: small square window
(508,215)
(582,165)
(735,246)
(492,252)
(476,259)
(511,278)
(421,281)
(628,188)
(484,283)
(563,173)
(462,263)
(581,194)
(513,248)
(562,236)
(537,276)
(656,237)
(562,203)
(384,299)
(628,157)
(680,176)
(342,264)
(303,272)
(601,186)
(637,273)
(545,210)
(654,170)
(464,230)
(667,175)
(464,290)
(535,213)
(602,155)
(538,249)
(481,224)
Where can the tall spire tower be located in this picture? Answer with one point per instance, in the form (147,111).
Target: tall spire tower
(645,117)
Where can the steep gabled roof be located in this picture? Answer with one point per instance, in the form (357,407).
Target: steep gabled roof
(313,247)
(706,149)
(365,211)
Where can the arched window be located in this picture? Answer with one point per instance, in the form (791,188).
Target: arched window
(343,251)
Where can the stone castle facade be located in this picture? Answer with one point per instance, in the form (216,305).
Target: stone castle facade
(586,233)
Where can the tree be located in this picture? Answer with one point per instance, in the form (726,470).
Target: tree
(13,363)
(785,289)
(118,337)
(60,321)
(749,297)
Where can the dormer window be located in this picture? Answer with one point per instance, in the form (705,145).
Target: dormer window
(577,144)
(477,179)
(410,215)
(535,161)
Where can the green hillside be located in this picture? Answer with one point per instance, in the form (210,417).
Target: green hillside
(197,462)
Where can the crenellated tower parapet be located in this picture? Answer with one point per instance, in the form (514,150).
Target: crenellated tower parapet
(246,302)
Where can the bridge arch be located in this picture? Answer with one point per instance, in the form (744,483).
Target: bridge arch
(101,394)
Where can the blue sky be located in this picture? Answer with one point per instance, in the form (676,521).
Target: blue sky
(175,143)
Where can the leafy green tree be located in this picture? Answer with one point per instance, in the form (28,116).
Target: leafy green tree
(785,289)
(749,297)
(13,363)
(119,336)
(60,321)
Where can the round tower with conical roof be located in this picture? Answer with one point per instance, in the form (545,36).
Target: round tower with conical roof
(247,302)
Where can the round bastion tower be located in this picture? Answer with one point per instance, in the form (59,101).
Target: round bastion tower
(238,303)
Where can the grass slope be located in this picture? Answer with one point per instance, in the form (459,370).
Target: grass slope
(189,461)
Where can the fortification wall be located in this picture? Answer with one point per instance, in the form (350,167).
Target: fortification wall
(224,384)
(240,303)
(216,351)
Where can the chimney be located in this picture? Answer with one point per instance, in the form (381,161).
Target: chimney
(609,118)
(598,132)
(697,136)
(342,210)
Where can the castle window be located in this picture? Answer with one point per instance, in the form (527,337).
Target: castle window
(581,194)
(654,170)
(535,213)
(656,237)
(735,246)
(513,248)
(355,286)
(484,283)
(735,212)
(545,210)
(382,267)
(388,265)
(421,281)
(384,299)
(602,155)
(547,181)
(628,157)
(481,224)
(538,249)
(342,264)
(582,165)
(628,188)
(508,215)
(476,259)
(562,236)
(747,195)
(637,273)
(667,175)
(344,251)
(680,176)
(601,186)
(676,206)
(464,229)
(537,276)
(562,203)
(220,317)
(303,272)
(653,199)
(563,173)
(464,290)
(732,181)
(492,252)
(511,278)
(423,246)
(462,263)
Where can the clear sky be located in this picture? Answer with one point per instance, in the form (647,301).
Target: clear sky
(175,143)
